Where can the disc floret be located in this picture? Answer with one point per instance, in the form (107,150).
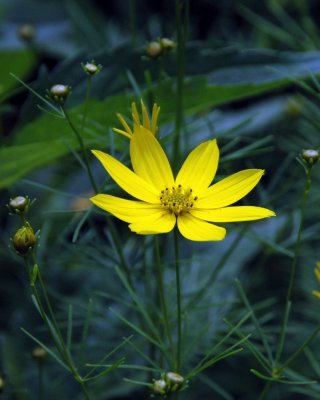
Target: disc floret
(177,199)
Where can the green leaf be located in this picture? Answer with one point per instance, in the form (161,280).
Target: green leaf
(18,62)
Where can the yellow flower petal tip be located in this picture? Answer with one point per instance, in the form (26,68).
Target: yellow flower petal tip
(137,121)
(190,200)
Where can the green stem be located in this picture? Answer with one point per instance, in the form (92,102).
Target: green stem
(40,381)
(85,111)
(181,37)
(60,345)
(300,349)
(294,266)
(265,390)
(178,292)
(82,148)
(163,298)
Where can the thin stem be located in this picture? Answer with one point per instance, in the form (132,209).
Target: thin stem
(40,381)
(300,349)
(60,345)
(163,297)
(265,390)
(85,111)
(178,291)
(294,265)
(181,37)
(82,148)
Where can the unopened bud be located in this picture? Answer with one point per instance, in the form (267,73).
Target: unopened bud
(2,384)
(173,377)
(91,68)
(59,92)
(19,205)
(310,155)
(154,50)
(39,354)
(159,386)
(167,44)
(26,33)
(24,241)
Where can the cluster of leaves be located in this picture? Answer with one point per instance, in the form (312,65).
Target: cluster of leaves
(261,104)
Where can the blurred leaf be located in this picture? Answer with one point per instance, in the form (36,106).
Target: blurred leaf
(19,62)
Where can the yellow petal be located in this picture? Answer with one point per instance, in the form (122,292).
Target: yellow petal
(195,229)
(127,210)
(124,133)
(232,214)
(128,180)
(316,293)
(145,116)
(161,223)
(199,169)
(317,273)
(149,160)
(230,189)
(135,116)
(154,118)
(127,130)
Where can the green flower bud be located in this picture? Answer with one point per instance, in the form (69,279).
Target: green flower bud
(159,386)
(154,50)
(19,205)
(311,156)
(167,44)
(59,92)
(39,354)
(91,68)
(26,33)
(24,241)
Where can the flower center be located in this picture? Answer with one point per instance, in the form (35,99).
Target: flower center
(176,199)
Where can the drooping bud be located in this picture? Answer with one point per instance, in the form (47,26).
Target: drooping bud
(167,44)
(311,156)
(59,92)
(26,33)
(154,50)
(39,354)
(19,205)
(91,68)
(159,386)
(24,241)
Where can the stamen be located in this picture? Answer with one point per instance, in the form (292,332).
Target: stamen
(177,199)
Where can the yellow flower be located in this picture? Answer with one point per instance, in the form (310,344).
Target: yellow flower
(187,200)
(146,123)
(317,273)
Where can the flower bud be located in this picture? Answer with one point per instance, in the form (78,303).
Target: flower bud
(24,241)
(174,381)
(154,50)
(174,378)
(91,68)
(19,205)
(59,92)
(39,354)
(2,384)
(159,386)
(26,33)
(310,155)
(167,44)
